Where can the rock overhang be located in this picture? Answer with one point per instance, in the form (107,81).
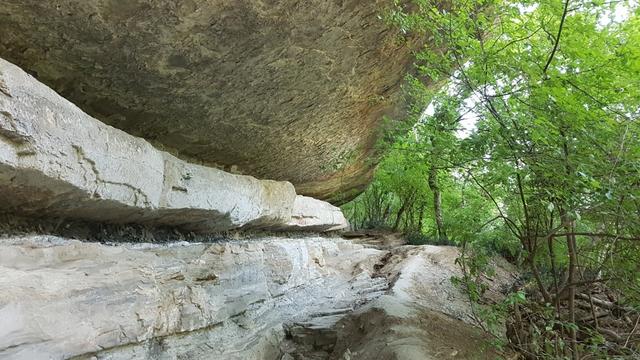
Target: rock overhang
(285,90)
(57,161)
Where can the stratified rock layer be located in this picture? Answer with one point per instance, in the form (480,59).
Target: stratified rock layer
(286,90)
(261,299)
(55,160)
(63,298)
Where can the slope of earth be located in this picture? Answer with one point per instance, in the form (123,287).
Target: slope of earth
(285,90)
(296,297)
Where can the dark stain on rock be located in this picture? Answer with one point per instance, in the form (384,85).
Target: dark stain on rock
(179,61)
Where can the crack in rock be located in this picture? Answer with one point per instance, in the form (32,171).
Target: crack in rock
(84,160)
(17,137)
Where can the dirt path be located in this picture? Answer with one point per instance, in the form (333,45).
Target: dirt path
(421,315)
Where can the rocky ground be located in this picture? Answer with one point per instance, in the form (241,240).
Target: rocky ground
(295,297)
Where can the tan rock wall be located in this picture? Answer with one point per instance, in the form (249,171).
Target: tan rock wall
(285,90)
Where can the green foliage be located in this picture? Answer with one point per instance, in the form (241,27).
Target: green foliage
(549,176)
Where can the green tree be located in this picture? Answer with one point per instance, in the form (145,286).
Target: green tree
(555,85)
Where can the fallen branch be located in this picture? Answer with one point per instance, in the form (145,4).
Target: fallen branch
(603,303)
(612,335)
(631,333)
(592,317)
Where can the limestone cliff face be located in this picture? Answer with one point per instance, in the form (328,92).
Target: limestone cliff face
(280,89)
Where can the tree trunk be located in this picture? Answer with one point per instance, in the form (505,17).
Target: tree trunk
(571,247)
(437,203)
(421,216)
(570,225)
(403,208)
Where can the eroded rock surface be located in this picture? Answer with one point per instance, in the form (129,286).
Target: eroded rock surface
(55,160)
(285,90)
(270,298)
(63,298)
(422,316)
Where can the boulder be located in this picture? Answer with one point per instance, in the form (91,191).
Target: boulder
(285,90)
(55,160)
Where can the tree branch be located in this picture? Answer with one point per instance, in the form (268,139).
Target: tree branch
(598,235)
(557,42)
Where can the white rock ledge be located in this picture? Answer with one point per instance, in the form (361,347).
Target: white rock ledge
(64,299)
(313,214)
(55,160)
